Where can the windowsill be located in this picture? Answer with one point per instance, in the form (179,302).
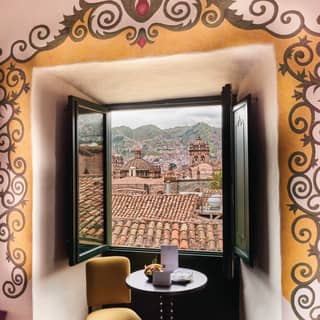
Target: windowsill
(115,250)
(123,250)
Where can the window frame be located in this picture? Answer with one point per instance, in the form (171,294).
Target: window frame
(226,100)
(75,256)
(155,104)
(246,217)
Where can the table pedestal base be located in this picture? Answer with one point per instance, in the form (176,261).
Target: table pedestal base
(166,307)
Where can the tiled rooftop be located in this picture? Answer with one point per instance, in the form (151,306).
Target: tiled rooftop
(137,180)
(172,208)
(147,220)
(200,235)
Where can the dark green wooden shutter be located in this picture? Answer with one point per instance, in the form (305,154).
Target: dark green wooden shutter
(242,237)
(227,181)
(80,251)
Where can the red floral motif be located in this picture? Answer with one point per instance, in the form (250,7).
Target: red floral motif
(142,7)
(142,41)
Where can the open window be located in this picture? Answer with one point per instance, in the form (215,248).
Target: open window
(152,173)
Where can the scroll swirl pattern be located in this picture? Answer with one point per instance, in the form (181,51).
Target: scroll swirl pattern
(140,21)
(13,184)
(268,15)
(303,185)
(140,25)
(106,19)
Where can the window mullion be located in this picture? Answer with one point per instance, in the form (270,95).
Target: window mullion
(108,179)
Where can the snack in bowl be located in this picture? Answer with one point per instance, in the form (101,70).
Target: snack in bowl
(150,268)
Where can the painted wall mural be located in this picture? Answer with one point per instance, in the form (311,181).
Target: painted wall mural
(304,183)
(12,172)
(140,23)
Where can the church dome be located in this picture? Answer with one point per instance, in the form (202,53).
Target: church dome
(137,162)
(140,167)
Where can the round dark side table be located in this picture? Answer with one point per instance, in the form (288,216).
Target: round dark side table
(138,281)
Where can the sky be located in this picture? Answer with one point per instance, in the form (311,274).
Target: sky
(168,118)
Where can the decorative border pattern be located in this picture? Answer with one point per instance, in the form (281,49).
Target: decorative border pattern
(267,15)
(13,184)
(139,22)
(304,184)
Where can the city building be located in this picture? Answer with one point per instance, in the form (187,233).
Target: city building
(117,164)
(138,167)
(198,152)
(90,159)
(200,165)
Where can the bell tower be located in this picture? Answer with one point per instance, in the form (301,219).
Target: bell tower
(198,152)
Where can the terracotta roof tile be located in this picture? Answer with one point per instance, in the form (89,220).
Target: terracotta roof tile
(175,234)
(147,220)
(183,244)
(174,242)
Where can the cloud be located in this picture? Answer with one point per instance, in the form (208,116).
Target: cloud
(168,117)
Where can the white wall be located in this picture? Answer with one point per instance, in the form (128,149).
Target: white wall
(58,290)
(261,286)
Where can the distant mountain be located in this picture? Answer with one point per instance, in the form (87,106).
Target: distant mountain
(190,133)
(146,132)
(163,147)
(90,128)
(162,144)
(122,131)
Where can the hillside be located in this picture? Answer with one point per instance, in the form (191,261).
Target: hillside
(161,145)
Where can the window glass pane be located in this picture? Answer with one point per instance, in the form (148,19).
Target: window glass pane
(167,178)
(90,178)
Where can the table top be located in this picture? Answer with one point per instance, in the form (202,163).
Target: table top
(138,281)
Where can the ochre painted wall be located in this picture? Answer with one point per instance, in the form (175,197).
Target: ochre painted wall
(82,39)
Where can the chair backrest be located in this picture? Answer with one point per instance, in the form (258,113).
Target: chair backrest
(105,277)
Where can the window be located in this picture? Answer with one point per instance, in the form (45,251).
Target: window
(152,173)
(160,194)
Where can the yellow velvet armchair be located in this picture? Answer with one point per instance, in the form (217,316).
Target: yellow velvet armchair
(105,278)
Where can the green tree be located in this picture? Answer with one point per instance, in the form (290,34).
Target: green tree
(216,183)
